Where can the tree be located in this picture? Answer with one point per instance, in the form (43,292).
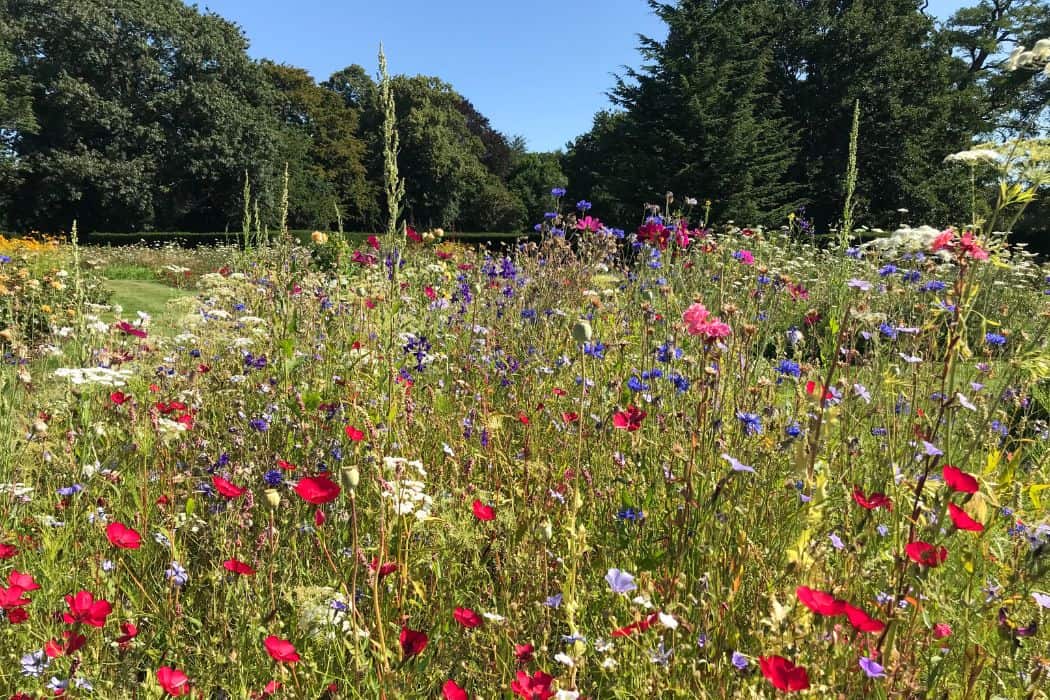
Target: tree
(16,112)
(148,114)
(532,177)
(325,155)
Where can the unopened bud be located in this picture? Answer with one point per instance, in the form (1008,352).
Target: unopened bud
(581,332)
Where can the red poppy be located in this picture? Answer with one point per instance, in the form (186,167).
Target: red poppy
(23,581)
(875,500)
(238,567)
(373,242)
(559,392)
(925,554)
(129,329)
(317,489)
(523,653)
(227,488)
(482,511)
(861,621)
(962,520)
(7,551)
(430,293)
(120,535)
(17,616)
(72,642)
(820,602)
(128,631)
(287,466)
(11,598)
(84,608)
(354,434)
(384,570)
(452,691)
(570,417)
(535,687)
(173,681)
(783,674)
(638,626)
(959,480)
(280,649)
(629,420)
(118,397)
(412,235)
(467,617)
(413,642)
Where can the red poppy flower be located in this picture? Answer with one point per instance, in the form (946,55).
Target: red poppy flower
(570,417)
(317,489)
(467,617)
(482,511)
(783,674)
(638,626)
(959,480)
(523,653)
(287,466)
(120,535)
(861,621)
(173,681)
(238,567)
(84,608)
(820,602)
(17,616)
(925,554)
(452,691)
(535,687)
(128,631)
(875,500)
(11,598)
(227,488)
(23,581)
(354,434)
(962,520)
(72,642)
(629,420)
(280,649)
(384,570)
(412,235)
(118,397)
(559,392)
(129,329)
(373,242)
(413,642)
(7,550)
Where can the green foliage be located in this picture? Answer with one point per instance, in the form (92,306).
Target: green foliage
(147,113)
(531,179)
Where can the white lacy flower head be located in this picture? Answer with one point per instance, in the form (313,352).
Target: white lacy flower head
(102,376)
(399,465)
(974,156)
(408,498)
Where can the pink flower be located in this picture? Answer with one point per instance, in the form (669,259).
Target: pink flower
(698,321)
(695,315)
(588,223)
(942,630)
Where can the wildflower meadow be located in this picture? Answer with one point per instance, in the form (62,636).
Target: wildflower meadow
(691,460)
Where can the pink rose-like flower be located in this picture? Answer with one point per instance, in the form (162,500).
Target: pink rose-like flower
(942,630)
(695,315)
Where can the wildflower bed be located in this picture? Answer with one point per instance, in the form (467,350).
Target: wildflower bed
(685,463)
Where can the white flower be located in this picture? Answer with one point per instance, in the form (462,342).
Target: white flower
(566,695)
(564,658)
(609,664)
(668,621)
(493,617)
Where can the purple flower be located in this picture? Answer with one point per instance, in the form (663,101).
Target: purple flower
(836,541)
(739,660)
(930,450)
(1041,599)
(871,667)
(737,465)
(558,191)
(620,581)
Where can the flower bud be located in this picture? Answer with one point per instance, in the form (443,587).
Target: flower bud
(349,477)
(273,498)
(581,332)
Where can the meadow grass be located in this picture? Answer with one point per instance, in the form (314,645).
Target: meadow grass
(699,464)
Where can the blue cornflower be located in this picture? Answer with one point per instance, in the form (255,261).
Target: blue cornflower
(933,286)
(70,490)
(995,339)
(630,514)
(177,574)
(793,430)
(550,214)
(636,384)
(681,384)
(789,367)
(665,353)
(260,424)
(652,374)
(595,349)
(553,601)
(4,259)
(273,478)
(620,581)
(558,191)
(887,270)
(911,275)
(583,205)
(888,331)
(751,422)
(739,660)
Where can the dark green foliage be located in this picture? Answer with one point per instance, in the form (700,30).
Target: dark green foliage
(148,115)
(532,177)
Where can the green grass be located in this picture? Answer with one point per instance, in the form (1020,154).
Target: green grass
(141,295)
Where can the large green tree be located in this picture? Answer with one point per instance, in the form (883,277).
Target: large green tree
(325,156)
(148,114)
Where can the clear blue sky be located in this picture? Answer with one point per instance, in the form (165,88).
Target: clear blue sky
(538,68)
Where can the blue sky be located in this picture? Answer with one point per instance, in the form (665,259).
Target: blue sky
(538,68)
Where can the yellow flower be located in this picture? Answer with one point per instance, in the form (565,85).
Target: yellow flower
(46,308)
(319,237)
